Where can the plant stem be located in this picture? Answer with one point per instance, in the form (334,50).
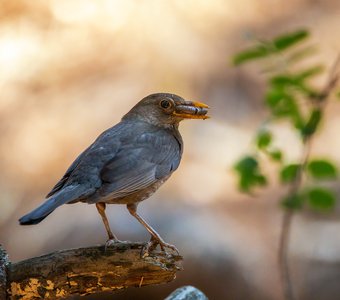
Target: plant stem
(283,255)
(287,225)
(288,214)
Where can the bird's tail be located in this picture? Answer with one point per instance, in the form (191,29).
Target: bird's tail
(66,195)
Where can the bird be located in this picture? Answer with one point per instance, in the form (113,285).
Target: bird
(127,163)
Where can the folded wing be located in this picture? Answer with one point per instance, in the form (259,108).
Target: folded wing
(150,158)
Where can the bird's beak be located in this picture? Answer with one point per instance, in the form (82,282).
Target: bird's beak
(192,110)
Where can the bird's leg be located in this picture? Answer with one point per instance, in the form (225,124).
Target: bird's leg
(112,238)
(152,244)
(155,237)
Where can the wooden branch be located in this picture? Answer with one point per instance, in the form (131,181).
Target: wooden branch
(89,270)
(3,275)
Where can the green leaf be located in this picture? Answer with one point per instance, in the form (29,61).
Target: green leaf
(251,54)
(322,169)
(312,123)
(246,164)
(263,139)
(300,54)
(275,154)
(274,96)
(265,49)
(310,72)
(294,202)
(288,173)
(288,40)
(284,80)
(261,180)
(247,182)
(321,198)
(284,105)
(296,81)
(249,174)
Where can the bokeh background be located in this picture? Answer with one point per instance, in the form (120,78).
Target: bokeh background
(69,69)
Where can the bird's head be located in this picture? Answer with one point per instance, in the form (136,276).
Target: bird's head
(165,109)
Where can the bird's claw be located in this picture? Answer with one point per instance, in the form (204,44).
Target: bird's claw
(164,245)
(111,242)
(153,243)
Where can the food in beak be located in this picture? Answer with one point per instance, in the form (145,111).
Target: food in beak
(192,110)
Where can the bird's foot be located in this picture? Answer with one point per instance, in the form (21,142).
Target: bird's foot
(111,242)
(153,243)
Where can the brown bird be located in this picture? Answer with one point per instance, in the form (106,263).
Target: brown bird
(127,163)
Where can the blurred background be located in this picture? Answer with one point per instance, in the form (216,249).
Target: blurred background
(70,69)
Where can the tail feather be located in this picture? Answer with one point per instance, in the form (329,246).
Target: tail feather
(66,195)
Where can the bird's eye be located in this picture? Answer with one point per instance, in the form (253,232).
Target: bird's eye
(165,104)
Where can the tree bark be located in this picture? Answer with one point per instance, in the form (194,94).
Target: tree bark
(89,270)
(3,275)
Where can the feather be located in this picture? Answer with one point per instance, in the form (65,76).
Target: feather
(149,158)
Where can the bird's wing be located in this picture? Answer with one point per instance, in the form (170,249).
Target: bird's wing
(103,148)
(66,176)
(138,164)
